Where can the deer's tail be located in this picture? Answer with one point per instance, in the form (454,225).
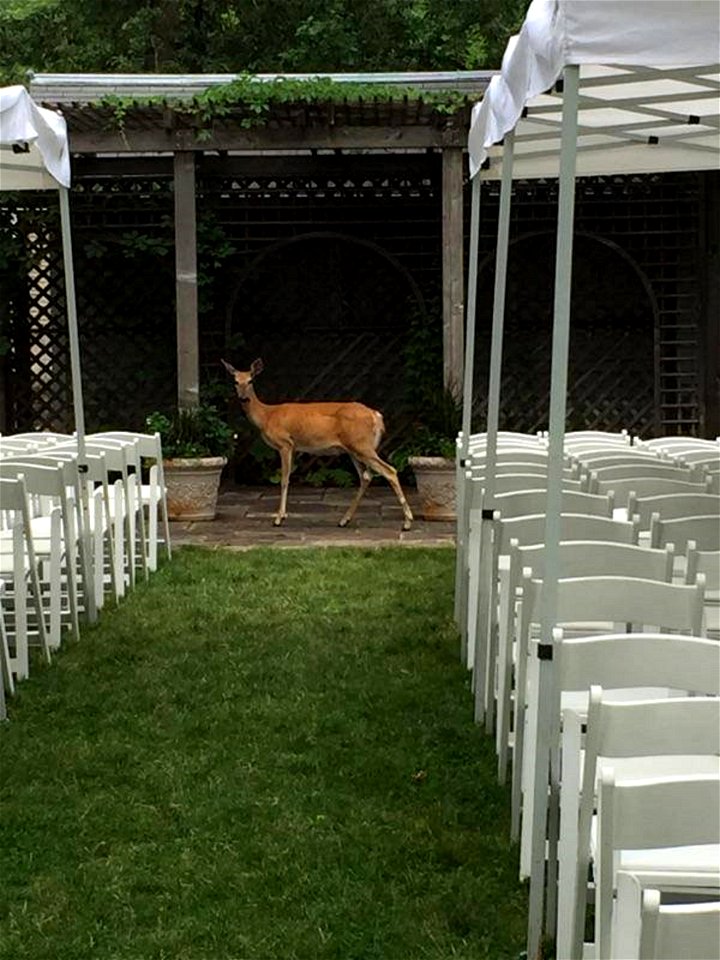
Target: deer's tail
(379,425)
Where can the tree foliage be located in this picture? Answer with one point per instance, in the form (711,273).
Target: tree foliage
(252,36)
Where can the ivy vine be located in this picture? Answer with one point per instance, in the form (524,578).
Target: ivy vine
(254,100)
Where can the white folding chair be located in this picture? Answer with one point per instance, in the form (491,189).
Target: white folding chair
(581,558)
(670,823)
(530,477)
(122,502)
(584,605)
(20,571)
(7,681)
(153,492)
(639,739)
(482,646)
(55,483)
(645,928)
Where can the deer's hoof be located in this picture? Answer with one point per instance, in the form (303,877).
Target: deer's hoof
(344,522)
(407,524)
(277,521)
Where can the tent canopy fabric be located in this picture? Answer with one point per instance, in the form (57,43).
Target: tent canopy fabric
(649,89)
(34,153)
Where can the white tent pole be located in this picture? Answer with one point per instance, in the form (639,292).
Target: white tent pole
(76,376)
(72,323)
(548,712)
(501,259)
(486,589)
(462,493)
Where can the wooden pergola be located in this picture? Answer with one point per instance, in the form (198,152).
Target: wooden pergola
(156,125)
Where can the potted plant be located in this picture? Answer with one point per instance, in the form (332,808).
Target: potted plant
(196,443)
(429,450)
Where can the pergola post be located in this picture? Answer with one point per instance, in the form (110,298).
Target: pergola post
(548,715)
(452,267)
(463,494)
(188,365)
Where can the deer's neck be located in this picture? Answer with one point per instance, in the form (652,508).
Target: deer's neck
(255,410)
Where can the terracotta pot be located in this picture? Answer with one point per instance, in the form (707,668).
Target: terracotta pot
(435,477)
(192,487)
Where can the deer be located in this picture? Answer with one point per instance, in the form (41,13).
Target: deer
(323,428)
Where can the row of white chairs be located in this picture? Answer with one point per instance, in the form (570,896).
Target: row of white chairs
(72,534)
(640,539)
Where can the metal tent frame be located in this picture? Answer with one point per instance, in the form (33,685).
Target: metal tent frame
(34,155)
(588,87)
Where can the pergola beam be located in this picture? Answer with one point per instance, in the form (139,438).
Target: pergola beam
(263,138)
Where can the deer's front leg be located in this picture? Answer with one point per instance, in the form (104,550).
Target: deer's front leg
(286,457)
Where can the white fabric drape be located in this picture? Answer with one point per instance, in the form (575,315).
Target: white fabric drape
(47,162)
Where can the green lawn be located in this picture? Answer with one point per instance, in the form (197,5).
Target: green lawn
(263,755)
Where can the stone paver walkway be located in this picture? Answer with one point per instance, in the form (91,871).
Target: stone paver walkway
(245,520)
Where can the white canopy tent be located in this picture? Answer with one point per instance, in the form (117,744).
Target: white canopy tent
(34,155)
(588,87)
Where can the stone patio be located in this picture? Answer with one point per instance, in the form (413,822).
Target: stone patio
(245,520)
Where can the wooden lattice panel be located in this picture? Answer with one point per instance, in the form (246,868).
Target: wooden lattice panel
(51,403)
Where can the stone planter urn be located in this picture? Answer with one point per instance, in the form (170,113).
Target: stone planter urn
(192,486)
(435,477)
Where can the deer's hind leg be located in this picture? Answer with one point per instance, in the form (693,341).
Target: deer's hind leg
(286,459)
(390,474)
(365,478)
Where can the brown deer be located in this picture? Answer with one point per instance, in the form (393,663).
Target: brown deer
(319,428)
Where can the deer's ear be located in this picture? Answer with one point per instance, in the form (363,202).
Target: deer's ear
(256,367)
(231,370)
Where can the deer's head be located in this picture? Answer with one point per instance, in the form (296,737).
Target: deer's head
(244,378)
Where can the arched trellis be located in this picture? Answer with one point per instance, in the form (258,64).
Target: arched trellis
(323,343)
(533,355)
(272,250)
(358,330)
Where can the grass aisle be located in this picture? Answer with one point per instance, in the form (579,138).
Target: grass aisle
(263,755)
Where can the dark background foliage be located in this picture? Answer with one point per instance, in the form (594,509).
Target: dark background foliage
(256,36)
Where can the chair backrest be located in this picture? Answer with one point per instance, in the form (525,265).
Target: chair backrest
(524,479)
(14,497)
(595,558)
(537,456)
(706,456)
(670,506)
(619,457)
(648,814)
(669,606)
(534,501)
(148,444)
(645,486)
(647,468)
(674,931)
(678,443)
(617,660)
(599,437)
(45,479)
(703,530)
(531,529)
